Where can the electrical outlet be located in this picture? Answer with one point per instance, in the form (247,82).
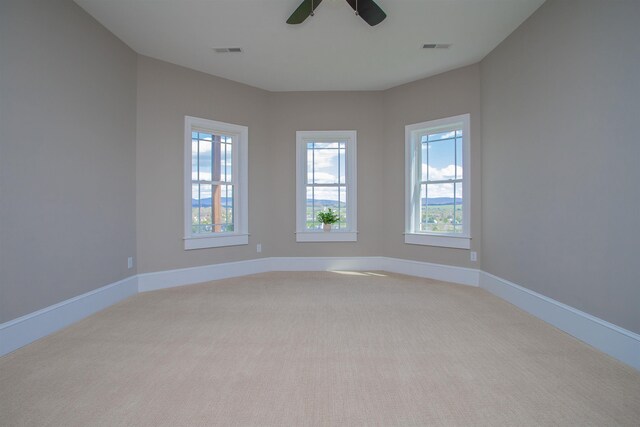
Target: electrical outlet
(259,247)
(130,262)
(474,256)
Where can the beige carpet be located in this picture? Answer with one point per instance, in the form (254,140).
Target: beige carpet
(318,349)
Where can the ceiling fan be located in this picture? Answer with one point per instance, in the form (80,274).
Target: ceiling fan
(366,9)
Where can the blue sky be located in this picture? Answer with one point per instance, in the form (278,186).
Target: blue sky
(441,150)
(330,165)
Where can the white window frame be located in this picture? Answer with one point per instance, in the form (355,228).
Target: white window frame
(351,233)
(412,188)
(240,135)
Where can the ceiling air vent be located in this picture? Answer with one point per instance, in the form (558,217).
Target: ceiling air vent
(227,49)
(436,46)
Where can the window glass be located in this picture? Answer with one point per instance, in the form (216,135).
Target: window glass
(326,180)
(436,181)
(215,190)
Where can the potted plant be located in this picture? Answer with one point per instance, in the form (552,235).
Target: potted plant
(327,218)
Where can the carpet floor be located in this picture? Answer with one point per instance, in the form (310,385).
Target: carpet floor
(315,349)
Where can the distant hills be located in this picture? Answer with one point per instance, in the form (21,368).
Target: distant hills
(227,202)
(434,201)
(329,203)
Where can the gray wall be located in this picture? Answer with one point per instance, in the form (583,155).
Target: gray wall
(359,111)
(449,94)
(67,155)
(167,93)
(555,150)
(560,104)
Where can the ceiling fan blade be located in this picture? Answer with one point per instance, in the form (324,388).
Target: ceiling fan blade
(369,11)
(303,11)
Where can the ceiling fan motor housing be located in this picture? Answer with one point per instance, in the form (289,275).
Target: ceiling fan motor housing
(368,10)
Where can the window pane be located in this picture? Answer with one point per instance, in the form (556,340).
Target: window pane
(214,196)
(311,222)
(194,159)
(436,165)
(424,171)
(342,165)
(223,209)
(325,180)
(227,164)
(426,222)
(441,136)
(201,208)
(437,208)
(212,205)
(325,165)
(342,208)
(324,198)
(195,207)
(217,157)
(459,154)
(326,162)
(212,208)
(309,166)
(459,203)
(204,159)
(215,216)
(328,144)
(442,160)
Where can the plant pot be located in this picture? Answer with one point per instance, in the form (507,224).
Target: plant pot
(326,227)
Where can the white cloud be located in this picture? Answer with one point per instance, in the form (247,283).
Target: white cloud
(325,178)
(326,159)
(441,190)
(436,174)
(441,136)
(449,134)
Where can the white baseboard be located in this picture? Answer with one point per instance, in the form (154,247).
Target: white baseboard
(620,343)
(189,276)
(325,263)
(24,330)
(446,273)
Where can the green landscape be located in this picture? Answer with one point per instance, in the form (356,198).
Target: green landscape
(441,218)
(437,216)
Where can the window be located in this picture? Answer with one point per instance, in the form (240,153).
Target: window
(326,179)
(437,183)
(215,184)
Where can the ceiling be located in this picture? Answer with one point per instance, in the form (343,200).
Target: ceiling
(334,50)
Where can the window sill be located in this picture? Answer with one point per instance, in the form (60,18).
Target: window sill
(457,242)
(215,241)
(330,236)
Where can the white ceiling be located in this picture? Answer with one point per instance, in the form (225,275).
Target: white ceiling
(334,50)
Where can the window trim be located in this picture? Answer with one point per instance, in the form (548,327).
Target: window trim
(412,132)
(351,177)
(240,235)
